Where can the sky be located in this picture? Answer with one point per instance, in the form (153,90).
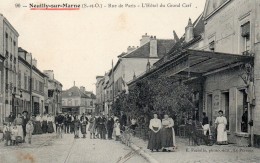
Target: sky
(80,45)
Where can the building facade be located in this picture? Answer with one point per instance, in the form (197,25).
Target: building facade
(8,68)
(53,100)
(224,60)
(31,84)
(135,61)
(77,101)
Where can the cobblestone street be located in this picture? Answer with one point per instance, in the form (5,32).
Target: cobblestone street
(46,148)
(202,153)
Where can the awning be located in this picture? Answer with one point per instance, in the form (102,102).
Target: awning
(195,63)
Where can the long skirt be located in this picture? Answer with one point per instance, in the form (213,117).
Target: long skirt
(37,128)
(83,129)
(44,126)
(92,128)
(50,128)
(221,134)
(20,130)
(72,128)
(154,140)
(167,137)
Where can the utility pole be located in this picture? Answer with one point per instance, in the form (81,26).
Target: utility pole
(113,86)
(31,98)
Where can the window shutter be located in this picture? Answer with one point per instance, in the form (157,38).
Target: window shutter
(245,30)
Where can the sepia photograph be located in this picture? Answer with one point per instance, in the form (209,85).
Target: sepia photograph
(129,81)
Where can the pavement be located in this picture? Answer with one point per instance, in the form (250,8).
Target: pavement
(201,154)
(47,148)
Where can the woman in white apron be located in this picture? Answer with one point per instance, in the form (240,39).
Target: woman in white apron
(221,123)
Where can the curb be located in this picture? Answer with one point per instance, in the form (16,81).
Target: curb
(141,152)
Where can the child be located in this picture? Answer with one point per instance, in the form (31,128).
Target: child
(29,130)
(14,134)
(7,134)
(117,129)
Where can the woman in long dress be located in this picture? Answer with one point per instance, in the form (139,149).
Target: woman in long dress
(221,123)
(50,128)
(155,136)
(44,123)
(38,128)
(92,126)
(167,134)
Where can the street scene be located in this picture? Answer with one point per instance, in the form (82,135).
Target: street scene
(119,82)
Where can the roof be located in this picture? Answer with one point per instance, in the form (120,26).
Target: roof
(198,29)
(76,92)
(163,47)
(195,63)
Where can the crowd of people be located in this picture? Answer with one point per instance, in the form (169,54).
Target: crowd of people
(100,126)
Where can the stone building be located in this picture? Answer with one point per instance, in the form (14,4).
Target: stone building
(53,99)
(77,101)
(9,94)
(135,61)
(32,84)
(221,65)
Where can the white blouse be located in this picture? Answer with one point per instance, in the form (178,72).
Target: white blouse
(168,122)
(221,120)
(155,123)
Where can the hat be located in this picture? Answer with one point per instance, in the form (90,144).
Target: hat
(25,112)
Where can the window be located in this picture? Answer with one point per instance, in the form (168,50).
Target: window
(6,41)
(245,33)
(69,102)
(19,79)
(91,103)
(225,106)
(40,86)
(76,103)
(25,81)
(212,45)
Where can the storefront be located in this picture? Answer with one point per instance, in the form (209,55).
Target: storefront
(75,110)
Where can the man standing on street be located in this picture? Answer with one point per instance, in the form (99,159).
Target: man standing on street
(110,126)
(25,121)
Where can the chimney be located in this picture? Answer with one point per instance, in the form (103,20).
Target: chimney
(145,39)
(34,62)
(130,49)
(28,57)
(49,73)
(153,47)
(82,89)
(189,35)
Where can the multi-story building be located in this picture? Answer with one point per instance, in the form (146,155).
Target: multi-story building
(53,100)
(29,74)
(8,68)
(77,101)
(100,98)
(135,61)
(222,64)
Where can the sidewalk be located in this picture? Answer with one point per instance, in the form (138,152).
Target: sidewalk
(202,154)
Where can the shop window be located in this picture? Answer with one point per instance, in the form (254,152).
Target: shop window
(225,106)
(242,114)
(245,33)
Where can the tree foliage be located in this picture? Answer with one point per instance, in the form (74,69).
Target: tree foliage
(159,95)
